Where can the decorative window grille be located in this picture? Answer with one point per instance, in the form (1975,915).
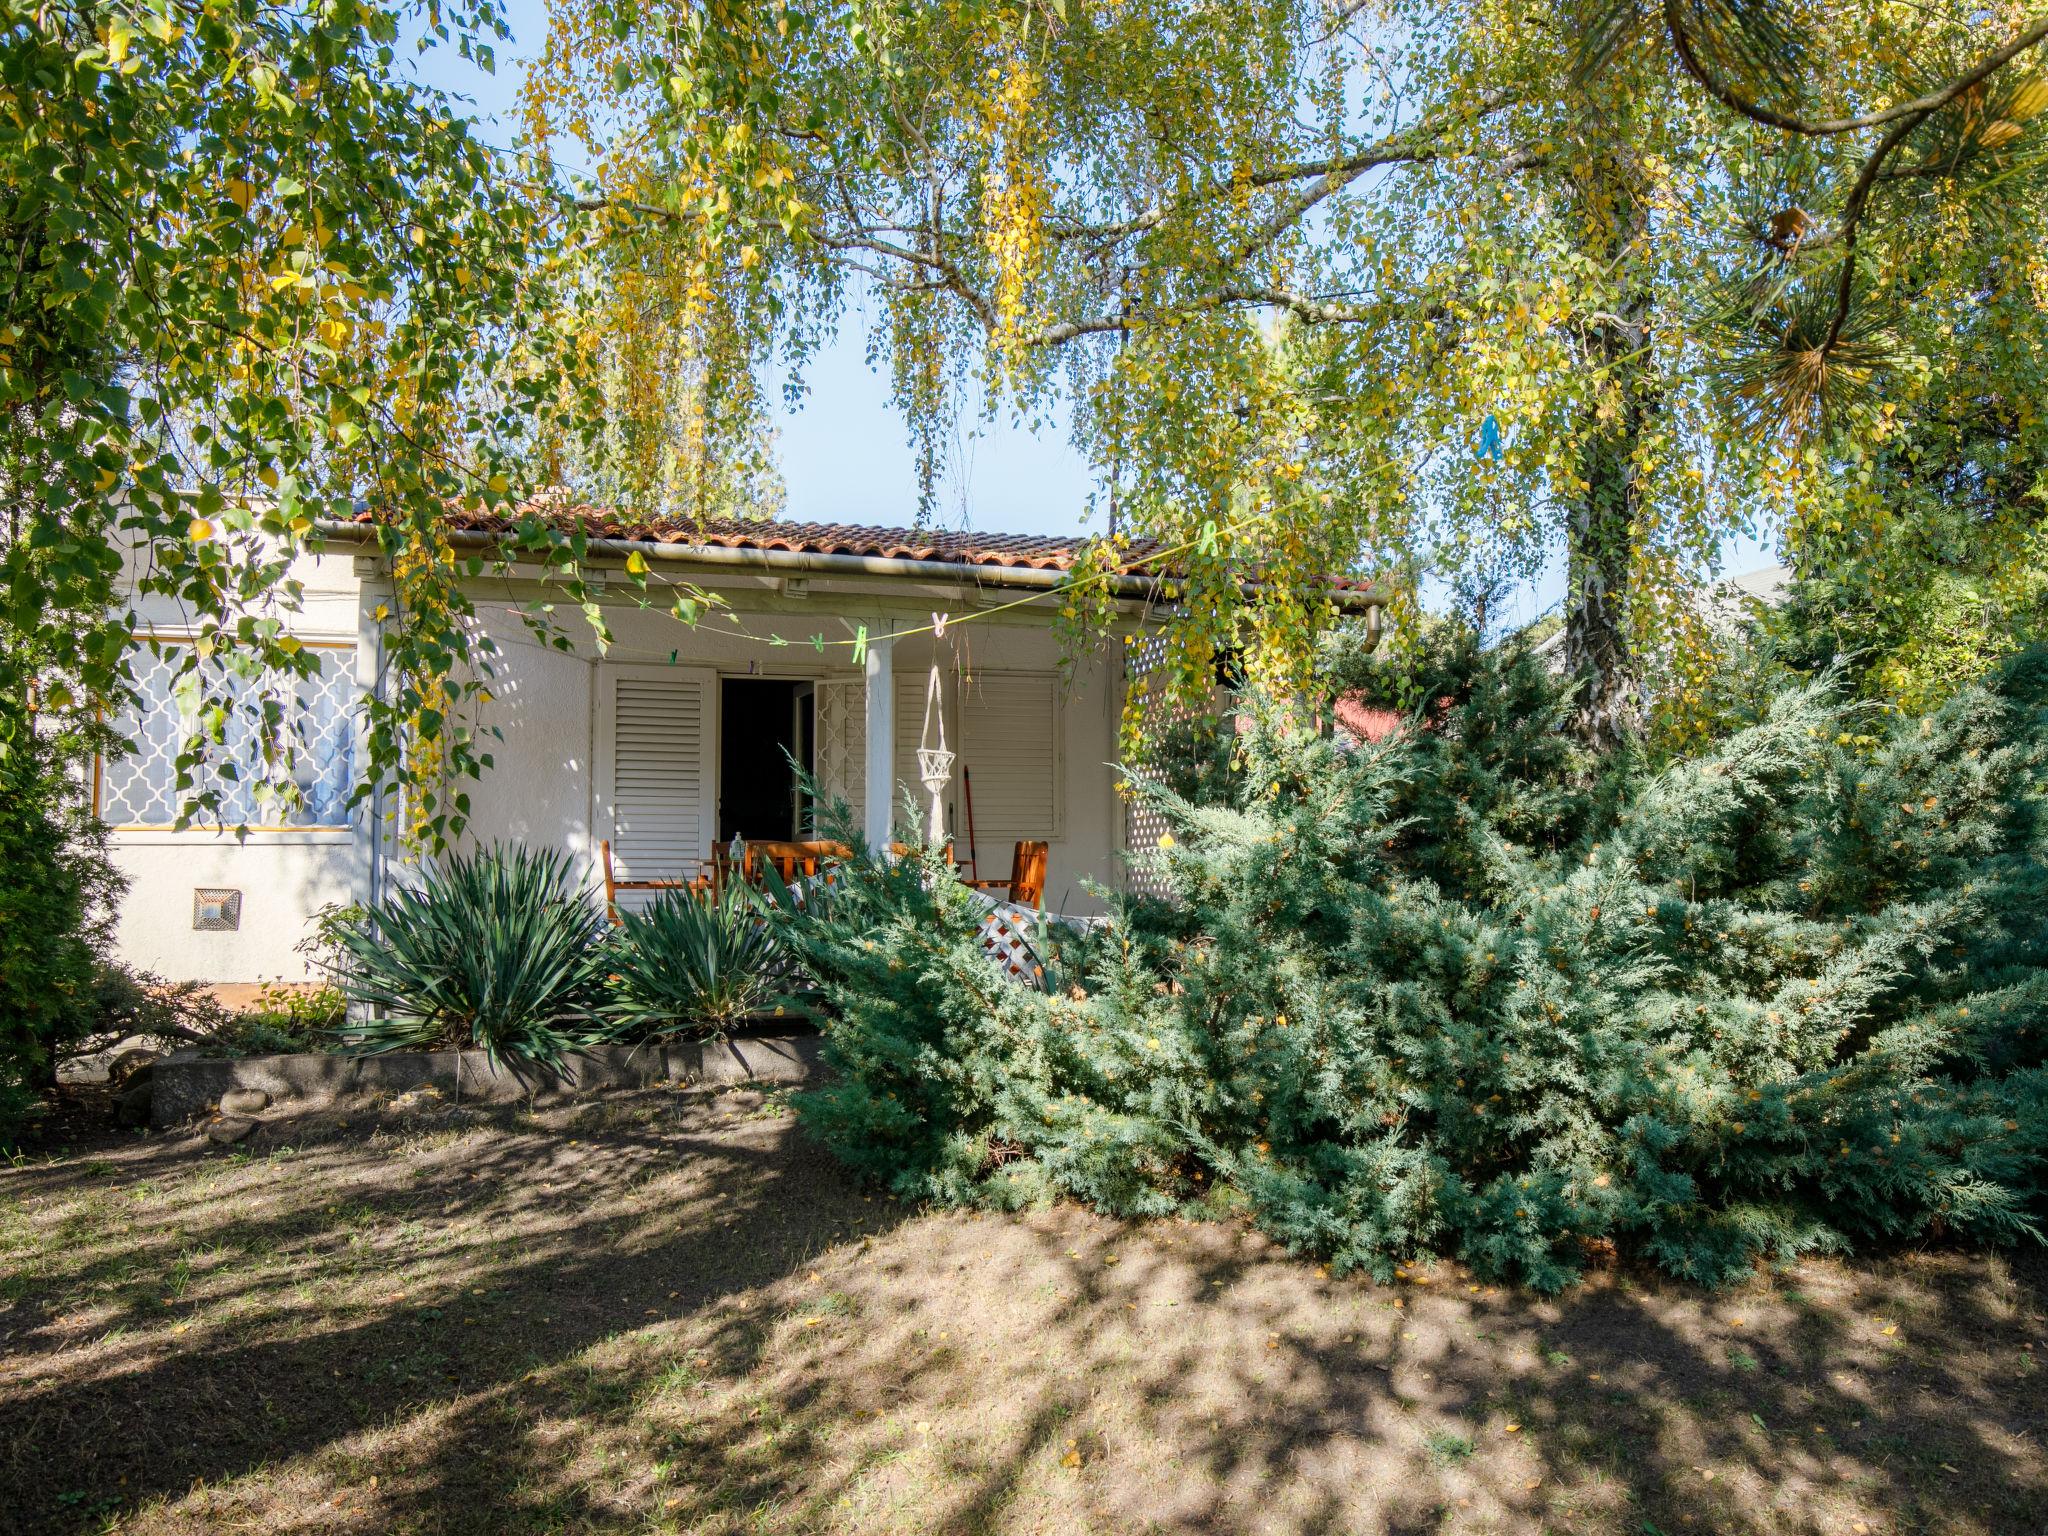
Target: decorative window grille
(840,762)
(139,792)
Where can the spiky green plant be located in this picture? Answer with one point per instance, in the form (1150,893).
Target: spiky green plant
(498,950)
(694,963)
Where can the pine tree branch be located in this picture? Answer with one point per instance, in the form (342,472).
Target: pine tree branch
(1917,109)
(1903,118)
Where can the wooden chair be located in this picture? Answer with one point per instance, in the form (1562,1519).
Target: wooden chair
(792,861)
(1026,885)
(613,884)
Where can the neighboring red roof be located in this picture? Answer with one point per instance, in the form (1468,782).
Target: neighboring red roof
(1363,721)
(1013,551)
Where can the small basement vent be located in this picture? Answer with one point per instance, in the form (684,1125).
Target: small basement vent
(216,911)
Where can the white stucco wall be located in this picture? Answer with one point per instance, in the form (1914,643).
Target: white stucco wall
(542,788)
(284,877)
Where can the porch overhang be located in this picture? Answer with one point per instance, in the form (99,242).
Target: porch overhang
(1350,598)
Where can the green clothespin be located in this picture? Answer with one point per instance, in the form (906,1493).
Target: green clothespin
(1207,544)
(671,658)
(818,644)
(860,645)
(777,640)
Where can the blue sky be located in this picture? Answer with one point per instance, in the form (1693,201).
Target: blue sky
(844,453)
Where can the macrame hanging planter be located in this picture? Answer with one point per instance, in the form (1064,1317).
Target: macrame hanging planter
(934,762)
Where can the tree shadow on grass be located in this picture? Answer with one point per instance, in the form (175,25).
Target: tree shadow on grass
(661,1313)
(195,1317)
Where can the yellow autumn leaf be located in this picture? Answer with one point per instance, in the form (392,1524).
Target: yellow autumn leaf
(637,563)
(199,530)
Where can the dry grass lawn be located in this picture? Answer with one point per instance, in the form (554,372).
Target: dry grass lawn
(667,1312)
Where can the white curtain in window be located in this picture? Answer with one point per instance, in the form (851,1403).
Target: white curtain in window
(140,789)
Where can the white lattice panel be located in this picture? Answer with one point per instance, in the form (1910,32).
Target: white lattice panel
(840,763)
(1143,825)
(317,741)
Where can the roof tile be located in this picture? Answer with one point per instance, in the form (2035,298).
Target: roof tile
(1014,551)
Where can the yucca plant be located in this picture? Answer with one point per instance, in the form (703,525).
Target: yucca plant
(498,950)
(694,962)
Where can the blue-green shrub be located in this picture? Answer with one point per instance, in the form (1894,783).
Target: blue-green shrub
(1454,994)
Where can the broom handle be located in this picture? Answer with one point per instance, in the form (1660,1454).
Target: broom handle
(967,789)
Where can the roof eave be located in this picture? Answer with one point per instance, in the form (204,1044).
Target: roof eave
(1366,600)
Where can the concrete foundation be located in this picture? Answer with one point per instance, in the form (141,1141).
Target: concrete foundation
(187,1085)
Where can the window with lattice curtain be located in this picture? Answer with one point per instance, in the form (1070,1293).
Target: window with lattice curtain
(139,791)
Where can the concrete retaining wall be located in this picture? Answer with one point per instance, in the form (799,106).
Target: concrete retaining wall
(185,1085)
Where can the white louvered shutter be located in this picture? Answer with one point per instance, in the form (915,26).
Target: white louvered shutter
(657,732)
(1010,743)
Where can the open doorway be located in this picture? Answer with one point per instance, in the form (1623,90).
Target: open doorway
(763,723)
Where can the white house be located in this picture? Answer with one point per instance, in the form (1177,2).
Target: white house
(673,741)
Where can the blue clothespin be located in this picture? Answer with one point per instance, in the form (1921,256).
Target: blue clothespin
(1489,438)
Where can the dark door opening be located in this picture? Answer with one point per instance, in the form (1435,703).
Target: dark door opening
(763,723)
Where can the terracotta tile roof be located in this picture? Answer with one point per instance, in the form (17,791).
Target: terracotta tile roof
(1367,722)
(1013,551)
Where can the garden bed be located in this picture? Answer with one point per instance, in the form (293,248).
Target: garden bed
(189,1083)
